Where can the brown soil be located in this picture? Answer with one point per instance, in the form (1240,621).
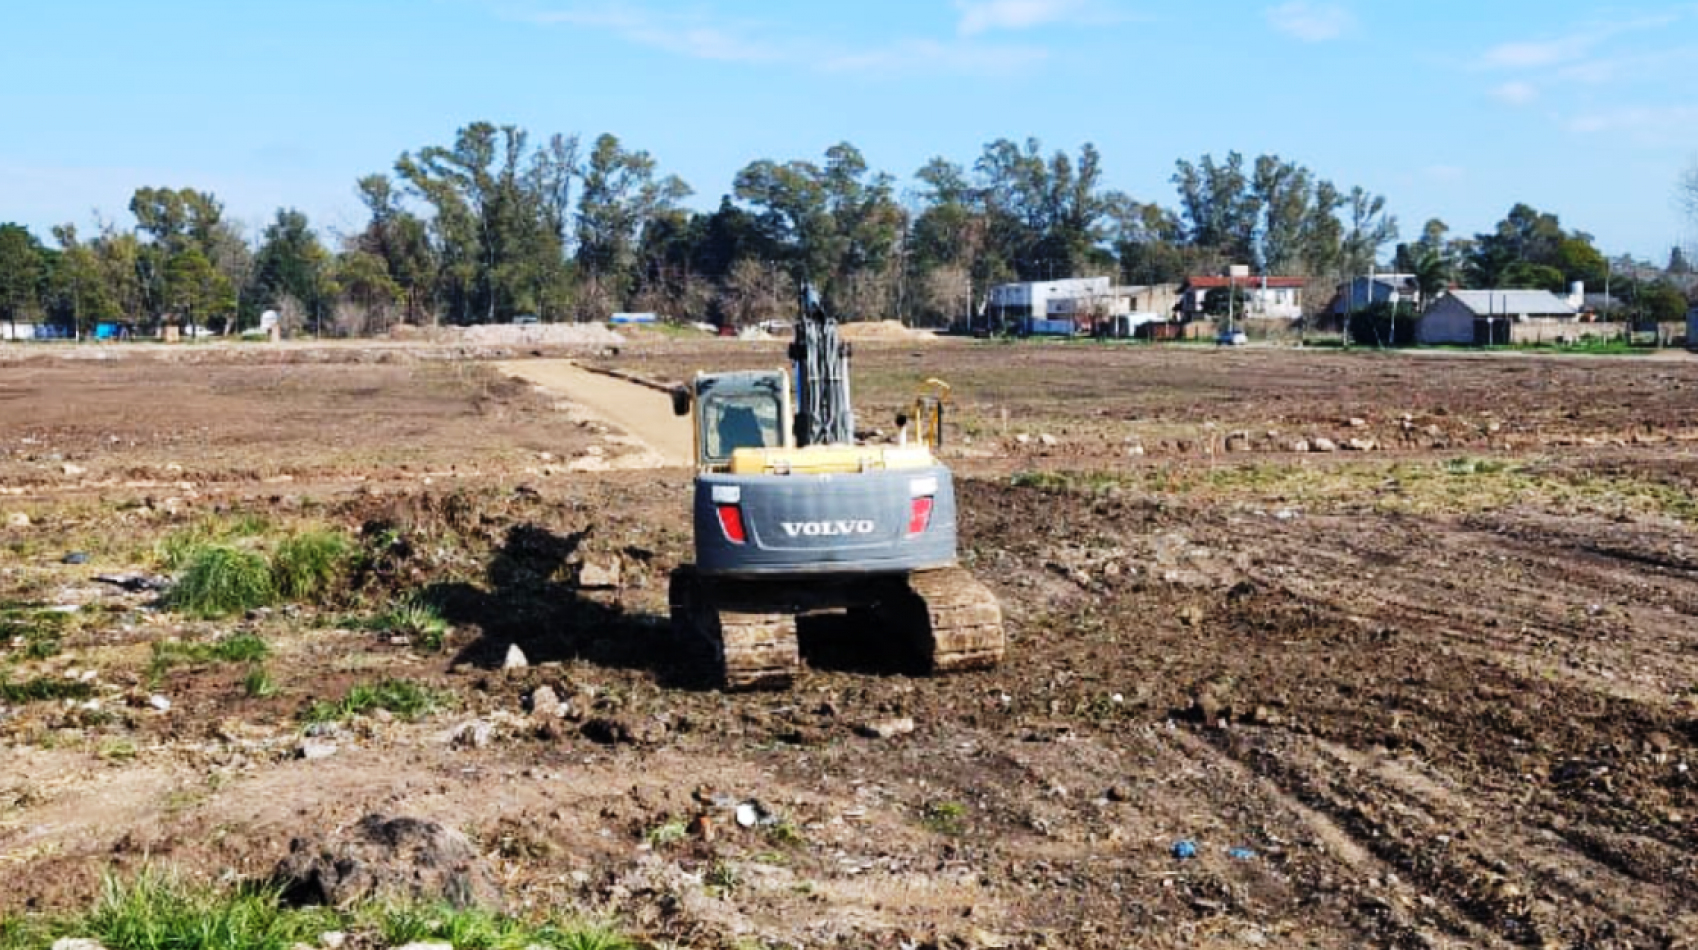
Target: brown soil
(1435,691)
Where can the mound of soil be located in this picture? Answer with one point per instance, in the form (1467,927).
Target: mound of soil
(387,858)
(876,331)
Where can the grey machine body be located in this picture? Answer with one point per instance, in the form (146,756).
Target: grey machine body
(840,524)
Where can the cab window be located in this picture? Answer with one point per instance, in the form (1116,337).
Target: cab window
(742,421)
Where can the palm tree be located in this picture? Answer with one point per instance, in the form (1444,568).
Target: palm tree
(1433,271)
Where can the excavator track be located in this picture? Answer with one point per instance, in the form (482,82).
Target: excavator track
(953,621)
(944,619)
(751,649)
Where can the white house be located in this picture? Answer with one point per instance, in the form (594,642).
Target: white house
(1264,297)
(1476,317)
(1049,299)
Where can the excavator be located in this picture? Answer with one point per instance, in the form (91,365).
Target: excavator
(792,517)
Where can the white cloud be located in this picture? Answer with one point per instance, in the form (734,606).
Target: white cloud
(1311,22)
(1603,76)
(691,35)
(1568,50)
(1534,54)
(1640,65)
(1649,123)
(699,35)
(913,55)
(983,16)
(1515,93)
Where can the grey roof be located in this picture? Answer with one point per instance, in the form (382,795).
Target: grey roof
(1527,302)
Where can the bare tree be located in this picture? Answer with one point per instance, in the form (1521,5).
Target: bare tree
(1687,195)
(352,319)
(869,295)
(595,300)
(291,315)
(948,291)
(754,292)
(1687,192)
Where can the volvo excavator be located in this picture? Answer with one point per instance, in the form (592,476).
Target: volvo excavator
(792,517)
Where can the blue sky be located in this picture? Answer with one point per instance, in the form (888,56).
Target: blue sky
(1451,109)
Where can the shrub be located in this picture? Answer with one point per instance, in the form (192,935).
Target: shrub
(222,580)
(307,565)
(417,619)
(179,547)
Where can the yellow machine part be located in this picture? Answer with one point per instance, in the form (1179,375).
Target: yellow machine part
(828,459)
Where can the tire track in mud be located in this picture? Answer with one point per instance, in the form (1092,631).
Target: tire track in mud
(1577,879)
(1435,702)
(1395,911)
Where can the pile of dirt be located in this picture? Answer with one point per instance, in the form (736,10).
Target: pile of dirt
(880,331)
(507,334)
(404,858)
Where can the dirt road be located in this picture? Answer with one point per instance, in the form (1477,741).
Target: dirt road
(645,414)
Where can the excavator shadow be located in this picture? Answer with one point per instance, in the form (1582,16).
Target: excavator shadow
(845,642)
(533,600)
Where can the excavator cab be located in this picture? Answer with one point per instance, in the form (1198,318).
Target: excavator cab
(749,410)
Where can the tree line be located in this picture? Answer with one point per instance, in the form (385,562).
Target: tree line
(494,225)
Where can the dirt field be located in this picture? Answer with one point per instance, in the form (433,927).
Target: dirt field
(1306,649)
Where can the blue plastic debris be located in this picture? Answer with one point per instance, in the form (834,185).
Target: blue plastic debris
(1185,849)
(75,557)
(1242,854)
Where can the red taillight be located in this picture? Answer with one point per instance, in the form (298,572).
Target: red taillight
(731,522)
(919,515)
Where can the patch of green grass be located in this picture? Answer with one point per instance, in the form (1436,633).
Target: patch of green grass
(1042,481)
(156,910)
(784,834)
(477,929)
(23,933)
(241,648)
(177,549)
(418,619)
(404,698)
(41,689)
(1475,466)
(666,834)
(258,683)
(42,631)
(722,878)
(221,580)
(117,750)
(307,564)
(945,818)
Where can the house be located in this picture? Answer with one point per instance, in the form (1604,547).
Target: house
(1601,306)
(1491,317)
(1366,290)
(1080,302)
(1264,297)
